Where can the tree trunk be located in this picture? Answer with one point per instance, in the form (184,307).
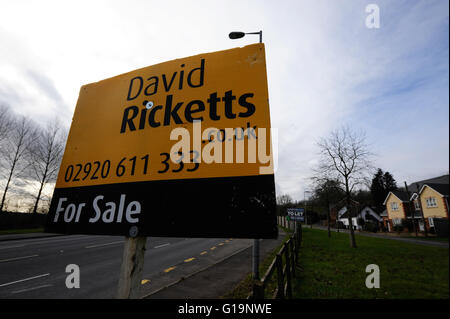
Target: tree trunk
(350,223)
(328,215)
(44,178)
(37,199)
(6,187)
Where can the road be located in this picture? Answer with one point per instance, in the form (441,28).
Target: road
(36,268)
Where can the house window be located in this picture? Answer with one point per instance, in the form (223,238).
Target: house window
(416,205)
(394,206)
(431,221)
(431,202)
(396,221)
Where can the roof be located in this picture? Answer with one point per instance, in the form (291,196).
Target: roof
(342,203)
(345,215)
(372,209)
(444,179)
(402,195)
(440,188)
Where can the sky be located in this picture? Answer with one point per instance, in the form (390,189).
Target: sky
(325,68)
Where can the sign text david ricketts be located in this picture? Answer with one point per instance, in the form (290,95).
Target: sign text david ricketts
(173,112)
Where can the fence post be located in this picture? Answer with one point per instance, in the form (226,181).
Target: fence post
(300,237)
(288,272)
(280,279)
(258,290)
(292,255)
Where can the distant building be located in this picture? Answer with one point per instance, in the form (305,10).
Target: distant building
(366,214)
(385,220)
(434,200)
(397,208)
(431,194)
(336,209)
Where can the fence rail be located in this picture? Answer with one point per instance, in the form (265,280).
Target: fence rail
(285,270)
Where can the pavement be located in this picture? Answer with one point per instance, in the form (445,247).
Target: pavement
(428,242)
(220,278)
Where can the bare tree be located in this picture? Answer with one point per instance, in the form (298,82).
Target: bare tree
(284,200)
(6,120)
(326,191)
(14,150)
(344,157)
(45,156)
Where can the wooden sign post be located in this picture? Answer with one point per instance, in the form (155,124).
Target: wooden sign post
(131,269)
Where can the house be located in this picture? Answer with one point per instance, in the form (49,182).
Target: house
(333,216)
(429,196)
(434,201)
(385,220)
(336,208)
(367,214)
(397,207)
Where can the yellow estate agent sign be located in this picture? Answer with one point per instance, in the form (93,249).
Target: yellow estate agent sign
(180,148)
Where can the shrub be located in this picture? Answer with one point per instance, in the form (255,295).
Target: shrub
(370,226)
(407,223)
(361,221)
(340,225)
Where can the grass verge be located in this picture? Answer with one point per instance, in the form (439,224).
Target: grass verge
(21,231)
(331,269)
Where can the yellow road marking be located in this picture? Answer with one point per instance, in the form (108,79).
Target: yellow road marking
(144,281)
(169,269)
(221,244)
(189,259)
(203,253)
(212,248)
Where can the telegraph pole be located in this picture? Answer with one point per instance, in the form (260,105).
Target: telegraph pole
(421,210)
(412,208)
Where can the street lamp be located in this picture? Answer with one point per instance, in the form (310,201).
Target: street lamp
(238,34)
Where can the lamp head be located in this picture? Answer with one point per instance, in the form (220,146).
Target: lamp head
(236,35)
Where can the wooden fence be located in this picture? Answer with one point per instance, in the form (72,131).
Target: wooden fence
(284,268)
(282,221)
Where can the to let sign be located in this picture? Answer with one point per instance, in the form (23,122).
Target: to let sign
(181,148)
(296,214)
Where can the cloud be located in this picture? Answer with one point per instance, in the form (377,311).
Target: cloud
(325,68)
